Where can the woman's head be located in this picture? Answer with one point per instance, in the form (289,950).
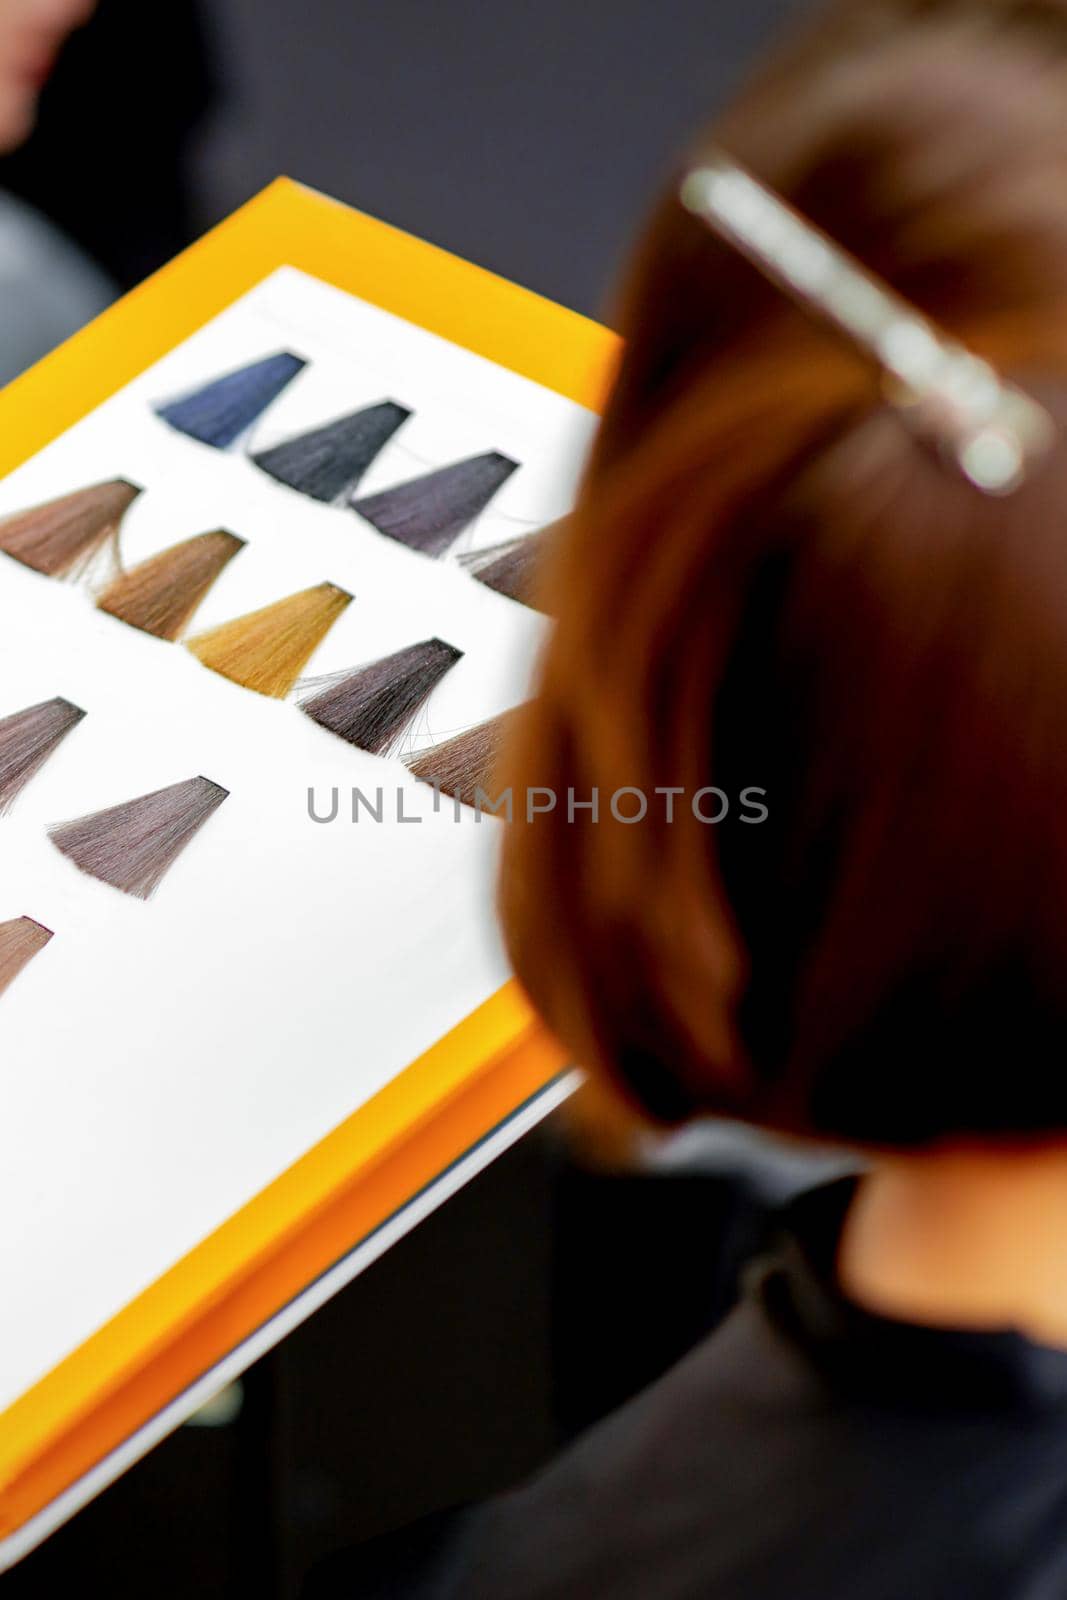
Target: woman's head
(31,34)
(771,584)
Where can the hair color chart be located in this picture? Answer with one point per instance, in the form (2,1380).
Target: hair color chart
(251,575)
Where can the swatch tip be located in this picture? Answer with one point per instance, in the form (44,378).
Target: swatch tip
(210,786)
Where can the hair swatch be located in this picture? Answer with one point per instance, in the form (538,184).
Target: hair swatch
(328,462)
(27,739)
(219,411)
(373,706)
(431,511)
(56,537)
(160,594)
(267,649)
(511,567)
(463,766)
(20,941)
(132,846)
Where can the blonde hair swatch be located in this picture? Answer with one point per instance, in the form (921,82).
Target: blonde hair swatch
(160,594)
(463,767)
(132,846)
(372,706)
(27,739)
(60,535)
(20,940)
(267,649)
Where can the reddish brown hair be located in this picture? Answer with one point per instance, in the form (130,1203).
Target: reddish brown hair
(770,582)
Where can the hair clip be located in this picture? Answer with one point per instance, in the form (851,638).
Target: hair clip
(990,428)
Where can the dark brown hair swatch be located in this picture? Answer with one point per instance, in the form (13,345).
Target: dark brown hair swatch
(27,739)
(372,706)
(510,568)
(62,534)
(160,594)
(267,649)
(328,462)
(219,411)
(429,512)
(132,846)
(462,766)
(20,940)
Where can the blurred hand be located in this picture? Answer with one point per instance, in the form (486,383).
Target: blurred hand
(32,32)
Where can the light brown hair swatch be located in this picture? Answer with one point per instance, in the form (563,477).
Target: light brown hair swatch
(27,739)
(267,649)
(61,535)
(160,594)
(133,845)
(463,767)
(20,940)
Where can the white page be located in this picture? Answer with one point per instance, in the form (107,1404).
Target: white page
(162,1061)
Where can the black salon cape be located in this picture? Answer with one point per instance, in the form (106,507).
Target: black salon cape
(804,1451)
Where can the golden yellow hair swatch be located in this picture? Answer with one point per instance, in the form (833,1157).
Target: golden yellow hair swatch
(266,650)
(161,594)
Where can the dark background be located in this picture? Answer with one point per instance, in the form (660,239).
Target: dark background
(526,136)
(529,138)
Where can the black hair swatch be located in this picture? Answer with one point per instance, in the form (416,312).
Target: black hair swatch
(329,461)
(429,512)
(372,706)
(217,412)
(27,739)
(132,846)
(510,568)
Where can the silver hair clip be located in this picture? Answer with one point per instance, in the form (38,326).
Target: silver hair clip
(990,428)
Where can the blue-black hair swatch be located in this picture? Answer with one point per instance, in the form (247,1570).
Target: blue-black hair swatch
(328,462)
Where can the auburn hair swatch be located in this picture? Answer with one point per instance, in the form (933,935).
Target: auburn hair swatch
(20,940)
(429,512)
(328,462)
(132,846)
(219,411)
(463,767)
(266,650)
(372,707)
(510,568)
(27,739)
(60,535)
(160,595)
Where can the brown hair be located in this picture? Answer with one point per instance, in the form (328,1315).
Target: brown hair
(770,582)
(160,595)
